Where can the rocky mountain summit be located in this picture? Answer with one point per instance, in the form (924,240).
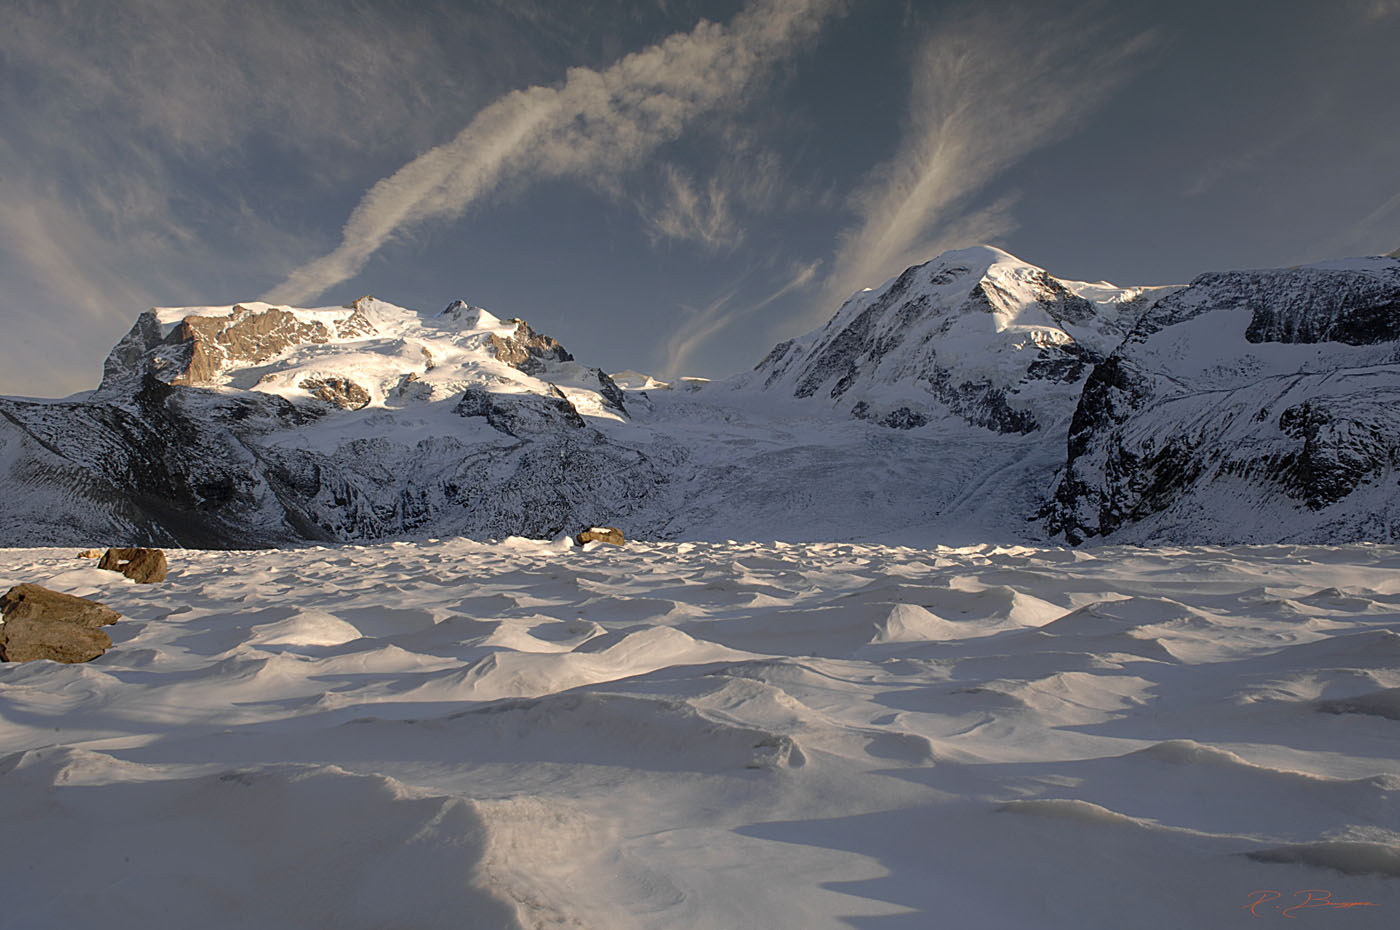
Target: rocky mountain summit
(972,397)
(257,425)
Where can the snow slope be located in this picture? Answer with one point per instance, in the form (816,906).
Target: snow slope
(706,735)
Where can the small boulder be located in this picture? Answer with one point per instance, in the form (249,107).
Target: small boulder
(90,554)
(32,602)
(144,566)
(604,534)
(43,624)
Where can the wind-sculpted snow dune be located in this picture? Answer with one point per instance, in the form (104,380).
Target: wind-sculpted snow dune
(528,734)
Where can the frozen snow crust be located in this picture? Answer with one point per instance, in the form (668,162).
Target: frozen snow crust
(527,734)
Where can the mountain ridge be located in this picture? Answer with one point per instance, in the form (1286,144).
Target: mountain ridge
(972,396)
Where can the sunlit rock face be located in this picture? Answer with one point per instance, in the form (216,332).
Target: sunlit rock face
(340,392)
(197,348)
(528,350)
(245,337)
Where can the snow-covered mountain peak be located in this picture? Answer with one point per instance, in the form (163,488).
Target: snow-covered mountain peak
(463,315)
(974,336)
(978,260)
(368,354)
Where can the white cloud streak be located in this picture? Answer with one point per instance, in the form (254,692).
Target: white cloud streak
(705,322)
(987,91)
(597,124)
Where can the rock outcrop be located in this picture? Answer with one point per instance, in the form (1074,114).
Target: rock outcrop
(528,350)
(338,392)
(199,347)
(520,415)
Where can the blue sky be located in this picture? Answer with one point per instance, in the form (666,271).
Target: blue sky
(671,186)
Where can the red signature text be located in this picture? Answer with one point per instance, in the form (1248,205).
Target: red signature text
(1308,898)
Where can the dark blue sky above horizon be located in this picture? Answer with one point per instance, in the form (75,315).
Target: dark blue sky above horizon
(671,186)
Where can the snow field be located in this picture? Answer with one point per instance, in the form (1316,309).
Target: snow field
(711,735)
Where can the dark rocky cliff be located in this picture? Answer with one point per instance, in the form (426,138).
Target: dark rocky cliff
(1250,406)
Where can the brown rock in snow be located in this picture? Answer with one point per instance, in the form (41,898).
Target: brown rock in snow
(342,392)
(604,534)
(528,350)
(144,566)
(28,639)
(242,336)
(43,624)
(33,602)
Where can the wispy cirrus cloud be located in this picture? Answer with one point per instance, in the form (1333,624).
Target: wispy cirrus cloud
(713,214)
(598,124)
(691,212)
(53,253)
(987,90)
(1376,233)
(701,324)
